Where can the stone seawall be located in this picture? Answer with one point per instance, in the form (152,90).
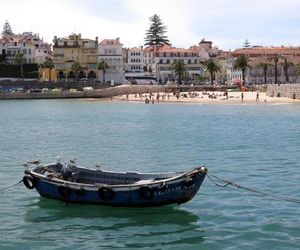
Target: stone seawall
(284,90)
(97,93)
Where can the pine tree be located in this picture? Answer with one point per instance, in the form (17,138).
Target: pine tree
(247,44)
(155,34)
(7,29)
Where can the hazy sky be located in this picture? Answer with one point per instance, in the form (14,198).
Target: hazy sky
(225,22)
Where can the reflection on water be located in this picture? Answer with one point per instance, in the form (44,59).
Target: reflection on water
(126,227)
(50,210)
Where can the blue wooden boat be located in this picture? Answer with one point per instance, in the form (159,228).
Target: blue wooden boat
(70,183)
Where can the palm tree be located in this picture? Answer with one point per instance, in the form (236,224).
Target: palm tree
(48,64)
(212,67)
(180,70)
(76,67)
(275,58)
(102,65)
(265,66)
(286,65)
(297,70)
(19,59)
(242,63)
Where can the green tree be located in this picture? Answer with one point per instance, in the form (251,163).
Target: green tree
(7,29)
(242,63)
(297,69)
(286,65)
(102,65)
(76,67)
(212,67)
(155,34)
(48,64)
(275,58)
(264,66)
(246,44)
(19,59)
(180,70)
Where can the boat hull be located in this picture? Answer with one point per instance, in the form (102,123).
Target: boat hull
(175,191)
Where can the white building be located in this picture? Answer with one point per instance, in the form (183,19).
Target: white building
(33,48)
(110,51)
(135,60)
(257,54)
(160,60)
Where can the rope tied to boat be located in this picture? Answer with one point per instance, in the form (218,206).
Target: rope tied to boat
(7,188)
(256,191)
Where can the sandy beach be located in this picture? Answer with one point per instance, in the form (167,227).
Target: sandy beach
(207,97)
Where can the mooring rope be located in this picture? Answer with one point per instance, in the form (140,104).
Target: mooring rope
(5,189)
(256,191)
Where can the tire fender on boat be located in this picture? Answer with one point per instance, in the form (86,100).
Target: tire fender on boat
(188,182)
(29,181)
(106,193)
(64,191)
(146,192)
(163,187)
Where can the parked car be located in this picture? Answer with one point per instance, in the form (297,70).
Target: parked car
(87,88)
(44,90)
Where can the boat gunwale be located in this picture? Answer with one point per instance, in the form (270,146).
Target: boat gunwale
(131,186)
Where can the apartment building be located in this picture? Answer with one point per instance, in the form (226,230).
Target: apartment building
(33,48)
(258,54)
(74,48)
(135,60)
(160,60)
(111,51)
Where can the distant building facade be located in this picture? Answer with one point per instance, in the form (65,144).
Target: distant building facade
(72,49)
(257,54)
(160,59)
(33,48)
(135,60)
(111,51)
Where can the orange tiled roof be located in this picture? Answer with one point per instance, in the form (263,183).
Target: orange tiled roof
(19,38)
(135,49)
(168,49)
(110,42)
(261,51)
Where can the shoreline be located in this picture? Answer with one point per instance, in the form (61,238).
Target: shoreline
(160,94)
(208,98)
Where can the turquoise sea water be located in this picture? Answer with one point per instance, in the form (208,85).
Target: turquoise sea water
(257,146)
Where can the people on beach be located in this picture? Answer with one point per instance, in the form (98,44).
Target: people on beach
(209,97)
